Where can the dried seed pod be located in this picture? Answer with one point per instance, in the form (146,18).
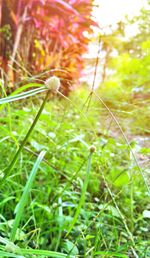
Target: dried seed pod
(92,148)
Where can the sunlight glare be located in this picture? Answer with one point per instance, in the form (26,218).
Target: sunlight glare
(109,12)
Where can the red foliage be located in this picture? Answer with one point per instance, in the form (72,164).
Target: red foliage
(54,35)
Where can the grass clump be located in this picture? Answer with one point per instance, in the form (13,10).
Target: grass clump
(81,202)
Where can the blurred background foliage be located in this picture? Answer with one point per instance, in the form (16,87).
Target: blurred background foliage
(127,59)
(40,38)
(44,35)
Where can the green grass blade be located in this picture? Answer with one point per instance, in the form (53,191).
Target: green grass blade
(111,254)
(45,253)
(22,95)
(7,254)
(12,250)
(25,87)
(82,199)
(24,197)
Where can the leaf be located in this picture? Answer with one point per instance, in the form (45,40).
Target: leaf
(66,6)
(70,248)
(23,95)
(110,208)
(45,253)
(21,205)
(25,87)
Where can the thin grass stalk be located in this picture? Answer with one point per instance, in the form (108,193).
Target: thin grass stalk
(81,113)
(132,202)
(46,162)
(82,198)
(69,182)
(8,170)
(122,217)
(89,98)
(126,139)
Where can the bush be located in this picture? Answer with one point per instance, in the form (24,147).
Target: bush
(45,36)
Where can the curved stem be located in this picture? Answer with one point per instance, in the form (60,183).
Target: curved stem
(8,170)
